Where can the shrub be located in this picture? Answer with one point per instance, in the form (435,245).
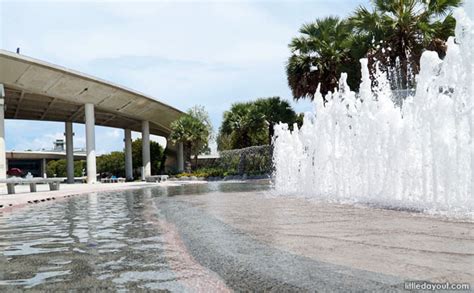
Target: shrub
(255,160)
(58,168)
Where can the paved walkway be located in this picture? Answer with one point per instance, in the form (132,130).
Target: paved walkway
(23,196)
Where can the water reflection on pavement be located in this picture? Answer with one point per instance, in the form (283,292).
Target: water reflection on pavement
(108,241)
(220,237)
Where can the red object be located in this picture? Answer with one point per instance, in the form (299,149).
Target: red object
(15,172)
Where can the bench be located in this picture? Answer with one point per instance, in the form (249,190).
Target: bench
(112,180)
(11,182)
(156,178)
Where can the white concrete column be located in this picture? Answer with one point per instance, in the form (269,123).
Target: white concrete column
(128,155)
(44,167)
(146,169)
(180,157)
(69,152)
(90,144)
(3,161)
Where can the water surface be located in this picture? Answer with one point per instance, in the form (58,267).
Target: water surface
(110,241)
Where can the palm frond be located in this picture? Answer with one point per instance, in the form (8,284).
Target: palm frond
(442,7)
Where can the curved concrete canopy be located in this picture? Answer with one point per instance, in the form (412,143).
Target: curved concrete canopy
(37,90)
(30,155)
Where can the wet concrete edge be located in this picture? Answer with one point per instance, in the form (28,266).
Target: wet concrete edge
(247,264)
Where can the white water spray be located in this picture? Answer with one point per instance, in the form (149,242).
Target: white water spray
(364,149)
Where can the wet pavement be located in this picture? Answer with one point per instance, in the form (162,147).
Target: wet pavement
(224,237)
(248,264)
(107,241)
(411,246)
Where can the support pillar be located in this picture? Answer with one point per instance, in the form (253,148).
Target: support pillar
(44,167)
(90,144)
(146,169)
(128,155)
(180,157)
(3,161)
(69,153)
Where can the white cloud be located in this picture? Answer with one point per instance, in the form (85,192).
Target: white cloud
(44,142)
(159,139)
(182,52)
(114,133)
(231,32)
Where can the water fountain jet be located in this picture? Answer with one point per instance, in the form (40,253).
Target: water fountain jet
(362,148)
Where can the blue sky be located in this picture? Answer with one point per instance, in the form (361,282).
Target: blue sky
(182,53)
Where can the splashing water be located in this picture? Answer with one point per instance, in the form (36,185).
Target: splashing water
(362,148)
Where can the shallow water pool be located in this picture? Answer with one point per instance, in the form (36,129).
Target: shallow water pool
(225,236)
(109,241)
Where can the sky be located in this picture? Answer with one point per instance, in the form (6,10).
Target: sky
(183,53)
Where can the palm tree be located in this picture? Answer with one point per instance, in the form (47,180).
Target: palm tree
(399,30)
(274,110)
(251,123)
(242,125)
(194,130)
(319,56)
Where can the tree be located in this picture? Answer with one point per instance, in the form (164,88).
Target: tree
(299,120)
(224,141)
(112,164)
(57,168)
(242,126)
(79,168)
(274,110)
(194,131)
(319,56)
(251,123)
(156,155)
(398,31)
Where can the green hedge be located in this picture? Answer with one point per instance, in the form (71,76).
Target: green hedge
(207,172)
(255,160)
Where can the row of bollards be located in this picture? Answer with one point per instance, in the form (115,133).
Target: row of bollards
(37,200)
